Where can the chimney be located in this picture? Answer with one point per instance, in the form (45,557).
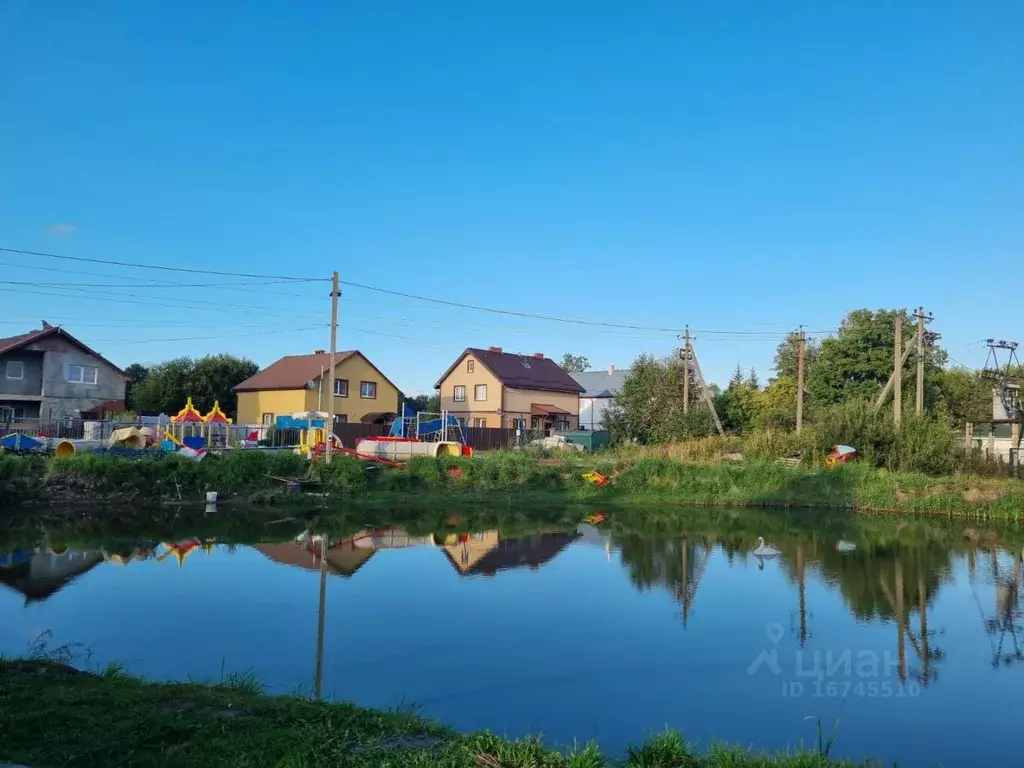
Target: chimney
(611,369)
(538,355)
(319,352)
(495,350)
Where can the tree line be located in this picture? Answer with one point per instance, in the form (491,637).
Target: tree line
(850,367)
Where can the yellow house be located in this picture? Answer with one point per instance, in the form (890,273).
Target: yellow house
(298,383)
(493,388)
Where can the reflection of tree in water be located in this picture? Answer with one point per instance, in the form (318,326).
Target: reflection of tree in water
(888,581)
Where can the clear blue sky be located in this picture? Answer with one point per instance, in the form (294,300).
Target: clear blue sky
(745,166)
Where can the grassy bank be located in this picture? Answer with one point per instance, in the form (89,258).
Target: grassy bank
(113,719)
(512,478)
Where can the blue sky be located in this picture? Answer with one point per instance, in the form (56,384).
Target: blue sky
(734,166)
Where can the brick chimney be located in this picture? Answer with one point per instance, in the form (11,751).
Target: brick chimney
(495,350)
(319,352)
(538,355)
(611,369)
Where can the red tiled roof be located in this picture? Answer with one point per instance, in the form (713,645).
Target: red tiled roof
(12,343)
(292,371)
(521,371)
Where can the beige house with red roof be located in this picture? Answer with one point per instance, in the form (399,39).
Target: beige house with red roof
(49,374)
(493,388)
(298,384)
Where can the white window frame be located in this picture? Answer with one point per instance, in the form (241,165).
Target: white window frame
(368,397)
(470,366)
(476,393)
(15,411)
(83,380)
(455,393)
(267,419)
(9,375)
(479,422)
(338,387)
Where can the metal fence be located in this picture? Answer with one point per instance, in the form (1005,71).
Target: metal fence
(261,435)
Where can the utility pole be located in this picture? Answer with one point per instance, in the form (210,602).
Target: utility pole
(329,447)
(921,319)
(705,392)
(801,343)
(897,372)
(686,371)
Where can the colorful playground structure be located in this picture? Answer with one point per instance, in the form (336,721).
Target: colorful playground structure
(192,433)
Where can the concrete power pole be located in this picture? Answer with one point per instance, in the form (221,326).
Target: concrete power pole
(686,371)
(801,344)
(897,372)
(329,447)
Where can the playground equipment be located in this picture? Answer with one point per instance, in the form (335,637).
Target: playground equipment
(401,449)
(437,427)
(190,429)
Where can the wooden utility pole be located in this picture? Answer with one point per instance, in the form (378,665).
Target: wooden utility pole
(704,391)
(801,344)
(921,319)
(329,447)
(897,372)
(888,385)
(686,371)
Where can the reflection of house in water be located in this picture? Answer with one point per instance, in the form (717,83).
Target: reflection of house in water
(489,552)
(470,553)
(343,557)
(38,574)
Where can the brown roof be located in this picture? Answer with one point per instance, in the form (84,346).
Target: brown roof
(295,371)
(12,343)
(544,409)
(343,559)
(521,371)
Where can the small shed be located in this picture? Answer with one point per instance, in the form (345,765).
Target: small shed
(591,440)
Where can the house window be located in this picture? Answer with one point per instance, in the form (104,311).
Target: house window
(341,387)
(83,374)
(460,394)
(341,418)
(368,390)
(480,392)
(268,419)
(479,422)
(470,366)
(15,369)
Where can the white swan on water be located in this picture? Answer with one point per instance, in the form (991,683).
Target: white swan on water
(765,550)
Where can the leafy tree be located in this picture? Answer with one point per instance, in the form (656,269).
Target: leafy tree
(575,363)
(136,373)
(206,380)
(424,403)
(966,396)
(776,405)
(649,407)
(856,363)
(787,354)
(739,402)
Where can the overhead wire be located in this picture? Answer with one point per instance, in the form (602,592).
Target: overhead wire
(160,267)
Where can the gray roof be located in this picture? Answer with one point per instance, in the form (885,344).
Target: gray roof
(600,383)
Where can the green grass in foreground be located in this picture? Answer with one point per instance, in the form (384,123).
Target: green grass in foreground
(54,715)
(507,478)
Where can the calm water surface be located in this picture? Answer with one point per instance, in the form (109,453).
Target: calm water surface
(574,633)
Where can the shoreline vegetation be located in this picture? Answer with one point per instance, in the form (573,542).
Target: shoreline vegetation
(697,473)
(109,716)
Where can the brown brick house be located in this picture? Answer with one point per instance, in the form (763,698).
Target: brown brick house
(493,388)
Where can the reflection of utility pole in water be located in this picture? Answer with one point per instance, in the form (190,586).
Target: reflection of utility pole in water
(802,592)
(693,565)
(922,609)
(901,622)
(319,674)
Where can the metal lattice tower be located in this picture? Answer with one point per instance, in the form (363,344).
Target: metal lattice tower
(1002,376)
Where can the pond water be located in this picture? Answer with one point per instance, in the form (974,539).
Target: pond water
(574,632)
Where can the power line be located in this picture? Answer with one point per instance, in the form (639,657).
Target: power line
(210,338)
(134,286)
(135,265)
